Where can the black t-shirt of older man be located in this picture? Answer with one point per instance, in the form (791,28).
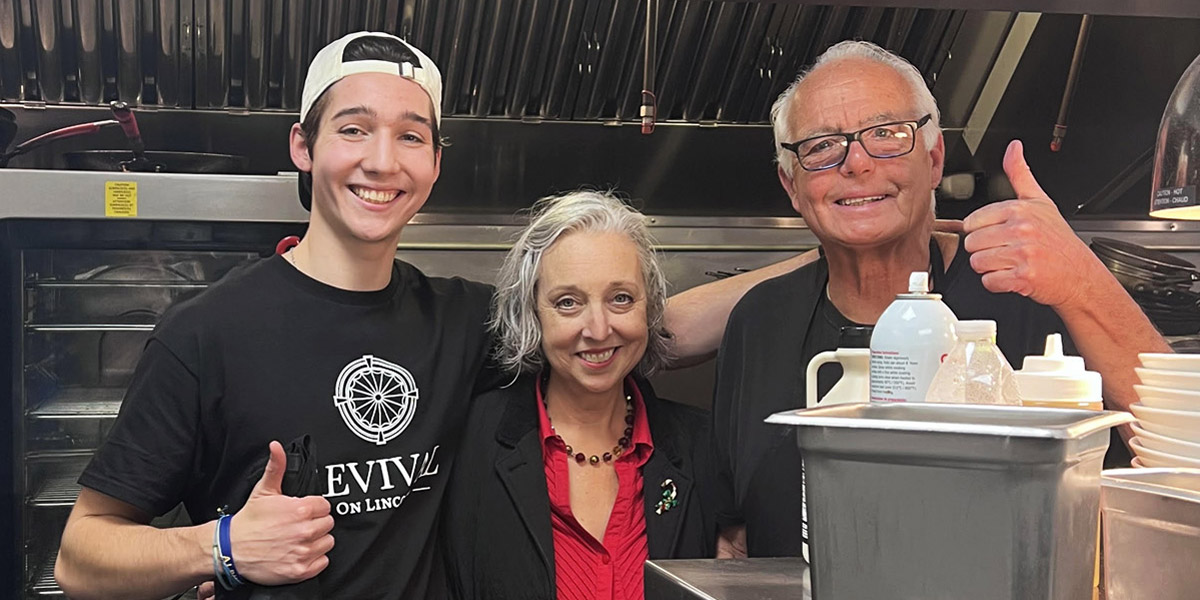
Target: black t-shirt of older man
(773,333)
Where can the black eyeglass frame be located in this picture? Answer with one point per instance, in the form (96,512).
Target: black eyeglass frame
(794,147)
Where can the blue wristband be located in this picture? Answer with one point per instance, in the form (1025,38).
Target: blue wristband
(218,564)
(226,549)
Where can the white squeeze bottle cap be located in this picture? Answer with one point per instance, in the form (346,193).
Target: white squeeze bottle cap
(1053,377)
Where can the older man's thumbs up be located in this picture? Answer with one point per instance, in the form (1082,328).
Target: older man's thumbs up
(279,539)
(1025,246)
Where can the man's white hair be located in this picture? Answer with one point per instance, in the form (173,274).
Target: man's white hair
(854,49)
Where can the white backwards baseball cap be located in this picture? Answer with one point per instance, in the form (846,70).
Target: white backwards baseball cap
(329,66)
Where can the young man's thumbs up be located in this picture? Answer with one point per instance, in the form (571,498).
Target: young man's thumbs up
(279,539)
(271,482)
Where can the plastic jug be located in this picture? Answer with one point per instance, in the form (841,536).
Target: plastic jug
(854,354)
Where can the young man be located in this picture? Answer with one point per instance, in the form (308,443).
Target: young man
(335,340)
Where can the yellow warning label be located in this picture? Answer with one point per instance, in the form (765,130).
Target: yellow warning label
(120,198)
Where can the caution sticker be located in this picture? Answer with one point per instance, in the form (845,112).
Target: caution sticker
(120,198)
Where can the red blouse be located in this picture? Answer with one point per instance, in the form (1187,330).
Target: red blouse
(584,568)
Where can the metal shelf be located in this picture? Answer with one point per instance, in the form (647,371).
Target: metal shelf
(85,327)
(57,491)
(44,585)
(48,284)
(81,403)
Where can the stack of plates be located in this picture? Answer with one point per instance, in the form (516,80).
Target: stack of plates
(1168,426)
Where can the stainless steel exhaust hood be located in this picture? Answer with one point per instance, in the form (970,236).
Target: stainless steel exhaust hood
(224,76)
(717,62)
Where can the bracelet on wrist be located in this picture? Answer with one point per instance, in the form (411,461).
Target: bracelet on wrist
(225,552)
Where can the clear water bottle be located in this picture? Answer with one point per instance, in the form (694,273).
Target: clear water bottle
(975,371)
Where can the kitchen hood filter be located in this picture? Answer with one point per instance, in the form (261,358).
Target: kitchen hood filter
(1177,154)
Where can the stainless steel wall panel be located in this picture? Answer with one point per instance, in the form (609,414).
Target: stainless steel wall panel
(10,51)
(742,69)
(292,56)
(711,70)
(47,17)
(898,28)
(168,59)
(563,50)
(88,48)
(257,34)
(127,26)
(69,51)
(488,88)
(678,56)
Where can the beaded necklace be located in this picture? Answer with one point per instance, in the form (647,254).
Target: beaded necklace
(623,444)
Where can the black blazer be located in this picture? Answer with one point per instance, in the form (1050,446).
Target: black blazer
(497,541)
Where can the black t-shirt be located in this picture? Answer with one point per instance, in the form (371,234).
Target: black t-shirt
(773,333)
(381,381)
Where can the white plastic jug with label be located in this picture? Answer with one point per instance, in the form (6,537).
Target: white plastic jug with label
(855,384)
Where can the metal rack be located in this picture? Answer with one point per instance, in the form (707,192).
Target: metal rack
(80,403)
(83,313)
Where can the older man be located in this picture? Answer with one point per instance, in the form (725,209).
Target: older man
(860,153)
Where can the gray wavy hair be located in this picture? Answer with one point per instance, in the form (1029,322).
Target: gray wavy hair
(515,323)
(852,49)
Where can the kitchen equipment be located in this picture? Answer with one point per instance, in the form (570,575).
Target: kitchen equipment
(134,160)
(1177,151)
(1151,533)
(171,162)
(952,501)
(1159,282)
(1155,263)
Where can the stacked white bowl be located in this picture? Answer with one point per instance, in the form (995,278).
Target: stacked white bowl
(1167,432)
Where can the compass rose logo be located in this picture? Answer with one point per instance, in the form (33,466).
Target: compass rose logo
(377,399)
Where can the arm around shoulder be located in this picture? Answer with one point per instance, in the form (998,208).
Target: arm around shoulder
(696,317)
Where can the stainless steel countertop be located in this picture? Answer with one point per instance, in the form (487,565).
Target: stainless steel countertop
(727,579)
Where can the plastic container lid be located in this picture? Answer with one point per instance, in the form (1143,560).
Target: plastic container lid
(975,329)
(1054,377)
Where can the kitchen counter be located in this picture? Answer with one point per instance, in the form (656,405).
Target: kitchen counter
(728,579)
(735,579)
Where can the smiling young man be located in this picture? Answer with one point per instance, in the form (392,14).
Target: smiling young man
(860,154)
(337,341)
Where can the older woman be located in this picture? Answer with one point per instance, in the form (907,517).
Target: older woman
(571,477)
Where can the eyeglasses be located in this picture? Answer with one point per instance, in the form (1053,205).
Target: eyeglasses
(827,151)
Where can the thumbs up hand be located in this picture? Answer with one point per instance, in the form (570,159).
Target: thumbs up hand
(279,539)
(1025,246)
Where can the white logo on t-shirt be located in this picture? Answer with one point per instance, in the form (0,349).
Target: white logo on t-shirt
(377,399)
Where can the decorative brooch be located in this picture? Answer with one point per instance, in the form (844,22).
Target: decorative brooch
(669,497)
